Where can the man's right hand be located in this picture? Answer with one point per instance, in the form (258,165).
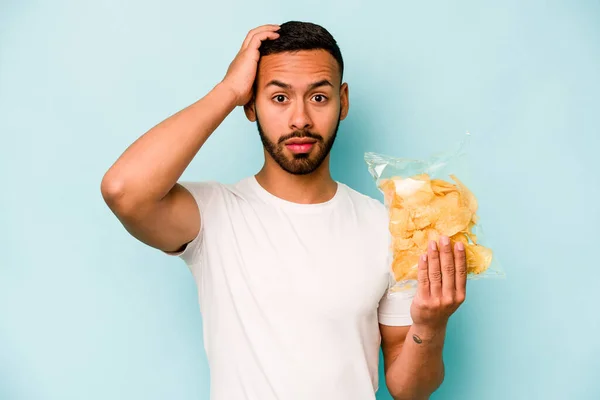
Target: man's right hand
(242,70)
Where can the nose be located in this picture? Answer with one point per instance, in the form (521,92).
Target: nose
(300,120)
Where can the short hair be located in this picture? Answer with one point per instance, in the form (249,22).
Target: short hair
(296,36)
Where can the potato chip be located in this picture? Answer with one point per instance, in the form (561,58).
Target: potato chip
(419,238)
(396,201)
(478,258)
(389,189)
(431,234)
(422,195)
(425,216)
(441,187)
(401,244)
(401,225)
(460,237)
(405,264)
(422,209)
(453,220)
(472,237)
(467,196)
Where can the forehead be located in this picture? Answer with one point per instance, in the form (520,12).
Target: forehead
(298,68)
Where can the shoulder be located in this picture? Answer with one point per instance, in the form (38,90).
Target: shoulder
(366,204)
(206,191)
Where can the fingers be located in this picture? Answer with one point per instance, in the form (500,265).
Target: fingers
(423,277)
(259,37)
(460,260)
(260,29)
(435,273)
(448,268)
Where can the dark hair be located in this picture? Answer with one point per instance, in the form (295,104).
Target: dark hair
(296,36)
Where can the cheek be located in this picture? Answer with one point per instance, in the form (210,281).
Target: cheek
(326,117)
(271,120)
(266,109)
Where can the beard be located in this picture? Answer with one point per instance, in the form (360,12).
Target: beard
(298,164)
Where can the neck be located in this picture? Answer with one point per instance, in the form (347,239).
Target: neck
(316,187)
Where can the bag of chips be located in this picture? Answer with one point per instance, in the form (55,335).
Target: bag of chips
(426,199)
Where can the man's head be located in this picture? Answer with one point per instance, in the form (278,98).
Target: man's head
(299,98)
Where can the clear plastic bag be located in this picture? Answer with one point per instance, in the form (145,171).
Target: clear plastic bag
(426,199)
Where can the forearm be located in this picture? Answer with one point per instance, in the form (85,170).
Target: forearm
(419,369)
(151,166)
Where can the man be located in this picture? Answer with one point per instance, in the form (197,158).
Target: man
(291,266)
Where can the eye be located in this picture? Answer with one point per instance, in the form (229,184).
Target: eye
(279,98)
(319,98)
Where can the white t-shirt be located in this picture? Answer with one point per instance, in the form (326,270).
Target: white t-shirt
(291,294)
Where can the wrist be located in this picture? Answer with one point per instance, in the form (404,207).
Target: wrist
(226,94)
(428,332)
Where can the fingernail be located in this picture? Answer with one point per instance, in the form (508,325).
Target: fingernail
(461,246)
(445,240)
(424,257)
(433,245)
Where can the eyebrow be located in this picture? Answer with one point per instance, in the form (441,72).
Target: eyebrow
(323,82)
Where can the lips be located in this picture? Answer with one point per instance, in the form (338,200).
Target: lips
(300,141)
(300,148)
(300,145)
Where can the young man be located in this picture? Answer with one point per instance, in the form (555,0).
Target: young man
(291,266)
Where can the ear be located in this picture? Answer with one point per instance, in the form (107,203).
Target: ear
(344,101)
(250,110)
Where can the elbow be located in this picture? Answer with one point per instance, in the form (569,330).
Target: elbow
(112,189)
(116,196)
(410,391)
(409,395)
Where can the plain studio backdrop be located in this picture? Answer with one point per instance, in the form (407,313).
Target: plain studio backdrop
(88,312)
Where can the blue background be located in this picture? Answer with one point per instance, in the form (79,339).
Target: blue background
(87,312)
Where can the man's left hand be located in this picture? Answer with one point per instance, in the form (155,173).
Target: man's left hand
(441,287)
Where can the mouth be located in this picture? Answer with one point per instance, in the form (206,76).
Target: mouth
(300,146)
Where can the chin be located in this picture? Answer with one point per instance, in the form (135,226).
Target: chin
(301,156)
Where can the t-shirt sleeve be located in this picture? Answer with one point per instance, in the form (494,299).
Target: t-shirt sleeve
(205,193)
(394,308)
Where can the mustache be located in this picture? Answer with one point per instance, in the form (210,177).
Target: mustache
(300,135)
